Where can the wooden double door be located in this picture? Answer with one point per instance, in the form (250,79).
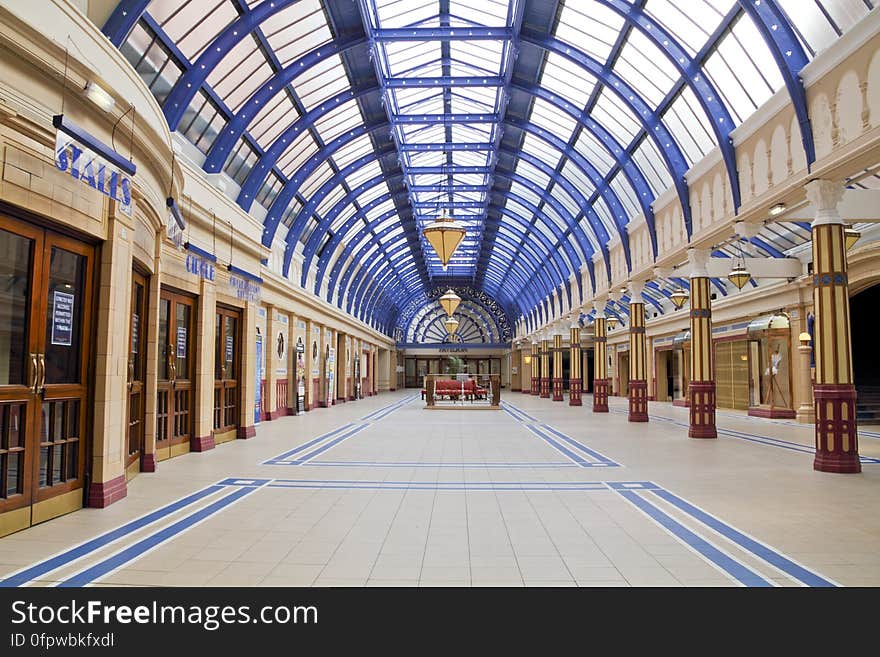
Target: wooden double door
(46,298)
(227,365)
(174,398)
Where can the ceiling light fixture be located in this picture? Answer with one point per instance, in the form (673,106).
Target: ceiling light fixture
(851,236)
(99,96)
(450,301)
(778,209)
(679,297)
(444,234)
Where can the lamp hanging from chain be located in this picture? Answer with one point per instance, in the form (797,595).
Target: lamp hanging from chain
(450,301)
(679,297)
(444,234)
(739,275)
(451,325)
(611,321)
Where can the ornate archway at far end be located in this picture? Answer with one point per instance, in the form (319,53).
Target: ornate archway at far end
(481,319)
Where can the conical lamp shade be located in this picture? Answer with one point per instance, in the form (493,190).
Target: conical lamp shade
(451,325)
(739,276)
(851,236)
(444,235)
(450,302)
(679,297)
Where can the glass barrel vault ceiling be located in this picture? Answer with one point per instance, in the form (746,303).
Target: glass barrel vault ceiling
(543,126)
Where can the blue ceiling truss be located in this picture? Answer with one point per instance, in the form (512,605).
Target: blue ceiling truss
(375,266)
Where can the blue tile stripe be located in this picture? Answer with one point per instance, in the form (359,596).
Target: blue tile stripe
(760,550)
(323,448)
(77,552)
(138,549)
(519,410)
(387,410)
(577,458)
(571,441)
(735,569)
(305,446)
(451,464)
(438,485)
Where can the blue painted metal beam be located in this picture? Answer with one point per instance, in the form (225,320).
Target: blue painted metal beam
(446,147)
(459,33)
(790,57)
(440,81)
(123,19)
(444,119)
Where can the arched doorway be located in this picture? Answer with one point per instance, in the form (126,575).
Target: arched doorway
(865,355)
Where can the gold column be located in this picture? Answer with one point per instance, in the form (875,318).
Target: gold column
(574,372)
(600,360)
(837,444)
(536,369)
(557,367)
(638,378)
(545,368)
(701,387)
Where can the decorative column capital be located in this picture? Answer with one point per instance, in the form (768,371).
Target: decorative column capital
(599,307)
(635,291)
(825,195)
(698,260)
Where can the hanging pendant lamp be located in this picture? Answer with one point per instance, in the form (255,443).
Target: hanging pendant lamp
(678,297)
(451,325)
(611,322)
(850,237)
(739,275)
(450,301)
(444,235)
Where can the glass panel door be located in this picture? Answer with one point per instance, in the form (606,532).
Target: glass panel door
(174,399)
(136,367)
(226,358)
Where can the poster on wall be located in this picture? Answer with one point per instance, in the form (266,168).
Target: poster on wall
(300,376)
(181,342)
(62,319)
(258,387)
(329,369)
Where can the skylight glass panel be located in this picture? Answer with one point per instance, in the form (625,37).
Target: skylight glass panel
(294,31)
(330,200)
(372,193)
(471,158)
(485,54)
(579,179)
(590,27)
(485,12)
(648,159)
(189,26)
(532,174)
(352,151)
(605,215)
(474,100)
(400,13)
(690,132)
(743,70)
(241,72)
(617,118)
(566,200)
(406,56)
(692,22)
(525,193)
(819,24)
(646,68)
(627,196)
(346,117)
(273,119)
(322,81)
(568,80)
(321,174)
(553,119)
(594,151)
(302,148)
(542,150)
(363,174)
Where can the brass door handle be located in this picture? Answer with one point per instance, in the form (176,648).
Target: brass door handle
(41,384)
(33,374)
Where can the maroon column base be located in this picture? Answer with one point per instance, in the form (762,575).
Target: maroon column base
(837,438)
(772,413)
(600,395)
(557,390)
(701,401)
(247,432)
(279,412)
(536,386)
(545,388)
(106,493)
(683,403)
(201,443)
(148,462)
(574,393)
(638,401)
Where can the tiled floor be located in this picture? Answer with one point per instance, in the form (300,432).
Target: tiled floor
(381,492)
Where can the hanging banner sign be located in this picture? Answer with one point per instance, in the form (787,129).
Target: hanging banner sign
(244,289)
(181,342)
(258,387)
(62,319)
(90,168)
(174,231)
(202,267)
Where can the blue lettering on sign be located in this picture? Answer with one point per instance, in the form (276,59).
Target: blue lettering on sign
(198,266)
(91,169)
